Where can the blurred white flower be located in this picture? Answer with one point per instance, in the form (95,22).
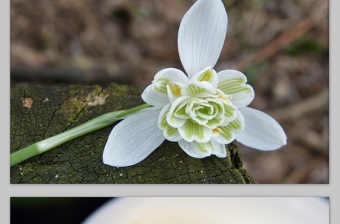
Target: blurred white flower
(216,210)
(202,111)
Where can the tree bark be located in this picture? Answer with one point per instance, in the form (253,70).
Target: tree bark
(40,112)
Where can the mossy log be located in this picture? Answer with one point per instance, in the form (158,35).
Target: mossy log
(39,112)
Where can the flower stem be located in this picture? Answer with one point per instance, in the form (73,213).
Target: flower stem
(85,128)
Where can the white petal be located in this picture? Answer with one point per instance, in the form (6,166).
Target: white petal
(191,131)
(173,74)
(133,139)
(227,133)
(201,150)
(206,75)
(201,35)
(169,132)
(158,98)
(176,116)
(232,83)
(261,131)
(218,149)
(199,89)
(154,97)
(174,91)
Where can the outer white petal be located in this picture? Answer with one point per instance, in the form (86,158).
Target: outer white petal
(194,149)
(233,83)
(154,97)
(201,35)
(173,74)
(133,139)
(261,131)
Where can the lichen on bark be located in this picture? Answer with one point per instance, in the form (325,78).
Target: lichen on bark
(53,110)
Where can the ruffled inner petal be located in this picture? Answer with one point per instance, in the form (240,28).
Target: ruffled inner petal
(201,150)
(191,131)
(169,132)
(232,83)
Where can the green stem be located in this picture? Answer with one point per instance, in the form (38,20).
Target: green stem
(85,128)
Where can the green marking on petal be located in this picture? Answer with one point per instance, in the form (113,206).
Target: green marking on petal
(245,88)
(171,133)
(229,111)
(175,89)
(206,76)
(191,131)
(175,121)
(226,132)
(235,85)
(160,84)
(194,89)
(230,83)
(213,123)
(164,124)
(178,108)
(236,125)
(168,131)
(180,113)
(205,147)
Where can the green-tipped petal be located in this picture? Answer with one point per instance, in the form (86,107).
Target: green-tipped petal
(172,74)
(156,94)
(226,134)
(206,75)
(174,90)
(230,112)
(201,150)
(192,131)
(199,89)
(169,132)
(177,116)
(233,83)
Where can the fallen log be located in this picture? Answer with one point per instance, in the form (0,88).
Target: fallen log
(39,112)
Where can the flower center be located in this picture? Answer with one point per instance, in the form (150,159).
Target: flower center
(198,111)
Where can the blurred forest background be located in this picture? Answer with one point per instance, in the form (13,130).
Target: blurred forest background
(282,46)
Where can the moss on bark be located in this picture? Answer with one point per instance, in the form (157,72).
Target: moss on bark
(40,112)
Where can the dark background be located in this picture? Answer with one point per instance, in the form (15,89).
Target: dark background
(53,210)
(282,46)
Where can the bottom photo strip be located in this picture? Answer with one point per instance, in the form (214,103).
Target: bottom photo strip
(170,210)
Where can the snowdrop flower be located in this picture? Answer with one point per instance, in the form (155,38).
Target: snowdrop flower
(203,110)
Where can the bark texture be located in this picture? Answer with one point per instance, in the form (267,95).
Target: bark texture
(40,112)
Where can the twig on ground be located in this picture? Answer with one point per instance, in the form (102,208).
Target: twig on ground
(319,12)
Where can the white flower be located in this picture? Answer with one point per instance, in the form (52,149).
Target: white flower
(216,210)
(202,111)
